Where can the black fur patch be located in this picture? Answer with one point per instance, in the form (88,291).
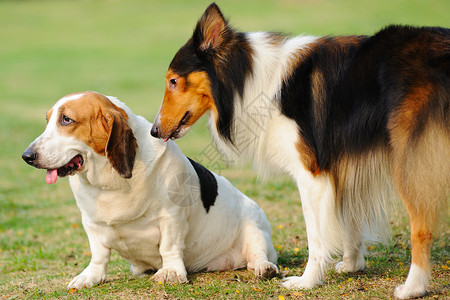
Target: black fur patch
(208,185)
(364,79)
(227,70)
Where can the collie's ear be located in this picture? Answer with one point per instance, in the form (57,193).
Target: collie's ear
(121,146)
(211,28)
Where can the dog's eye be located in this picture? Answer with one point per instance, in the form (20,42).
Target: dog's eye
(65,120)
(173,82)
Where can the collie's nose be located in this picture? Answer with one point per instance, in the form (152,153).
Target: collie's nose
(155,131)
(29,156)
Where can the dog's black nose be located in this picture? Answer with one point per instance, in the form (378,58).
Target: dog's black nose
(29,156)
(154,132)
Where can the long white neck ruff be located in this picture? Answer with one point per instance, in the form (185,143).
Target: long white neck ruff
(260,132)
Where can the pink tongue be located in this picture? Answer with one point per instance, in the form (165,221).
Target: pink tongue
(51,176)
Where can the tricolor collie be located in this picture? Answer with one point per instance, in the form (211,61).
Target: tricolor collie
(143,198)
(347,117)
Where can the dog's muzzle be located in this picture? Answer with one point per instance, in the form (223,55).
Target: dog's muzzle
(29,156)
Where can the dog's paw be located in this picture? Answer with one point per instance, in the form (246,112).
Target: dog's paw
(405,292)
(299,283)
(266,270)
(87,279)
(170,275)
(342,267)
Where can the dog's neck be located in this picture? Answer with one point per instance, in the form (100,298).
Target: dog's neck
(100,173)
(258,111)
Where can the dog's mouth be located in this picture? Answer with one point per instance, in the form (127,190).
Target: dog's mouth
(74,165)
(175,134)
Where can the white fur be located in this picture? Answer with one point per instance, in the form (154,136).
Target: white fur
(56,149)
(261,133)
(415,285)
(268,138)
(138,218)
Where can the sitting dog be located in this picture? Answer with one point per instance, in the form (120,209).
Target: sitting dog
(142,197)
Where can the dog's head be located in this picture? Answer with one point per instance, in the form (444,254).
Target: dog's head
(190,90)
(78,125)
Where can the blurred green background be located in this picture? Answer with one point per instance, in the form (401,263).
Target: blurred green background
(123,48)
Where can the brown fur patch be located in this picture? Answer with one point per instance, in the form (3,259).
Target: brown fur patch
(191,94)
(348,40)
(102,126)
(90,115)
(276,39)
(407,118)
(307,156)
(335,44)
(318,92)
(421,239)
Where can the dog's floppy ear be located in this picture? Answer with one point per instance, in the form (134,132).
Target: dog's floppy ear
(211,29)
(121,146)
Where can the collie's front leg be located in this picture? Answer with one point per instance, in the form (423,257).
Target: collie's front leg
(322,230)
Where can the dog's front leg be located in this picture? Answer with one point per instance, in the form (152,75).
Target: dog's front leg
(173,233)
(322,228)
(95,272)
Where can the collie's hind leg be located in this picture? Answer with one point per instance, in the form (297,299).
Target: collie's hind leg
(421,217)
(422,177)
(353,259)
(419,273)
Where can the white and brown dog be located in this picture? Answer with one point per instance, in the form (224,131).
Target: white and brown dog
(142,197)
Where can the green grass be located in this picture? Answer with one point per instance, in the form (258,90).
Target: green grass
(123,48)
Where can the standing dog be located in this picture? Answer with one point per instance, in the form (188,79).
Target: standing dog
(144,198)
(347,117)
